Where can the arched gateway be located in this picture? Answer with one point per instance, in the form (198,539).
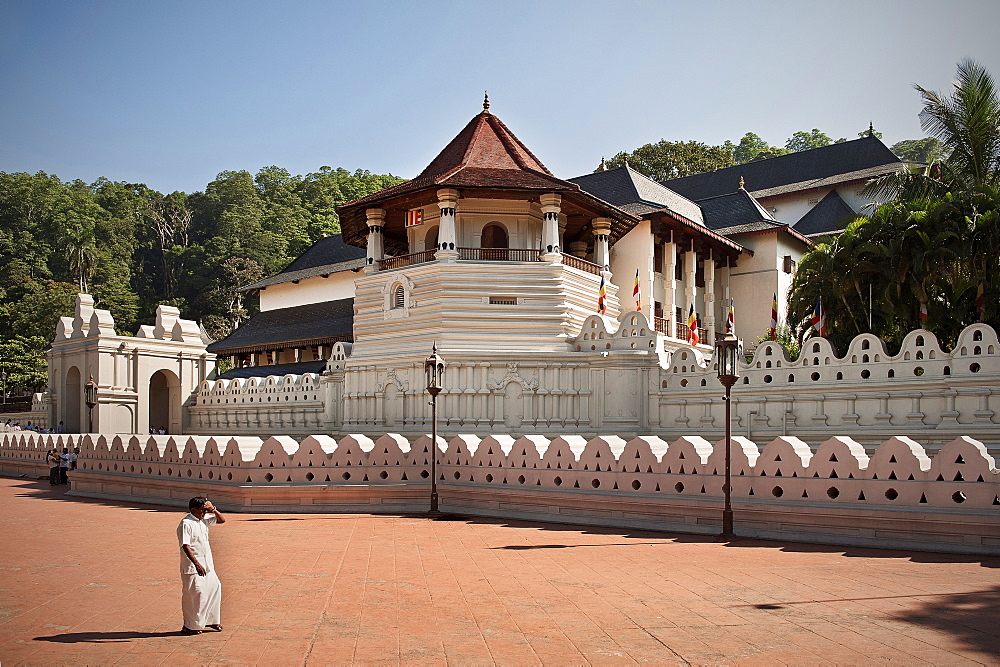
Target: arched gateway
(141,380)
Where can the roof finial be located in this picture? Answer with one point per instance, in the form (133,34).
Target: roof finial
(604,165)
(486,102)
(625,161)
(871,129)
(741,183)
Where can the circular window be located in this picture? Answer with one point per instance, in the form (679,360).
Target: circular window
(767,379)
(891,494)
(833,492)
(958,497)
(814,377)
(975,368)
(679,487)
(865,374)
(636,485)
(596,483)
(777,492)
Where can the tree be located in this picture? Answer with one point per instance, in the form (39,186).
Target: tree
(968,124)
(81,253)
(24,362)
(804,141)
(919,151)
(752,148)
(665,160)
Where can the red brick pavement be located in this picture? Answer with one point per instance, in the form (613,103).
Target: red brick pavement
(92,582)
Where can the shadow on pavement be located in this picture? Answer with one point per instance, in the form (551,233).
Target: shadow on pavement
(103,637)
(644,535)
(969,617)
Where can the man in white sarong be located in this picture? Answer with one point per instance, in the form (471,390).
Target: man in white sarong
(201,590)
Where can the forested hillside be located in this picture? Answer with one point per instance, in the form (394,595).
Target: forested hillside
(133,248)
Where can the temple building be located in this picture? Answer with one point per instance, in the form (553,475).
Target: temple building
(559,305)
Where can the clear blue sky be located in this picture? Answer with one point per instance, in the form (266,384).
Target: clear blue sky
(171,93)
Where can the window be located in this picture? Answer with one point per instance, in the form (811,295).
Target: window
(431,240)
(788,264)
(398,297)
(658,257)
(494,236)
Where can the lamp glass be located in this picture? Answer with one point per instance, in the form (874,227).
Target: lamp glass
(727,352)
(434,366)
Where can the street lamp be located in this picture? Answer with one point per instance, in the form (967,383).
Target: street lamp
(434,366)
(90,398)
(727,352)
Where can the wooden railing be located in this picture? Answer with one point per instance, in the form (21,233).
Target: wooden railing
(498,254)
(662,325)
(582,264)
(406,260)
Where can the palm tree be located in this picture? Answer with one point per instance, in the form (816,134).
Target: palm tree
(81,253)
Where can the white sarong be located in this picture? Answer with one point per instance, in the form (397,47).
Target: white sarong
(201,600)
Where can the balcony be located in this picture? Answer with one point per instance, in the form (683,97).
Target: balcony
(486,255)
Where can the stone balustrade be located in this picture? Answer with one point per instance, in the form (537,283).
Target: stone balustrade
(836,493)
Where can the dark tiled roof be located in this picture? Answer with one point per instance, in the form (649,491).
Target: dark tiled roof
(866,157)
(328,255)
(736,208)
(625,187)
(825,217)
(299,326)
(279,369)
(326,251)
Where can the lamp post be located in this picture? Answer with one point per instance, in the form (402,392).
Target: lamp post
(434,366)
(727,350)
(90,398)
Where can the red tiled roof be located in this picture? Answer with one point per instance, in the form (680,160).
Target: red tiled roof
(485,154)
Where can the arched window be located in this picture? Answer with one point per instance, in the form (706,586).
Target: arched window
(398,297)
(431,240)
(495,236)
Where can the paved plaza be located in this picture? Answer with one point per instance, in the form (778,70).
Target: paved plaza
(94,582)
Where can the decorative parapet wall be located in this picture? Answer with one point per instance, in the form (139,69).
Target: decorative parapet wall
(899,496)
(626,381)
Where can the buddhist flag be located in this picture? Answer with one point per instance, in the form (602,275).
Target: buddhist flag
(773,331)
(731,318)
(635,292)
(692,327)
(415,218)
(818,319)
(602,294)
(923,313)
(980,301)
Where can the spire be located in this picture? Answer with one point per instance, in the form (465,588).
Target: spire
(486,102)
(604,165)
(625,161)
(871,129)
(741,183)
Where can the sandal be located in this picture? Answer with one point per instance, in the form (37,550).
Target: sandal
(215,627)
(188,631)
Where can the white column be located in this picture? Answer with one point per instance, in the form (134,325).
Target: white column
(447,248)
(551,204)
(670,284)
(376,251)
(602,231)
(709,268)
(690,288)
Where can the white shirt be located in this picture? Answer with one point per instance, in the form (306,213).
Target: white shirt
(194,533)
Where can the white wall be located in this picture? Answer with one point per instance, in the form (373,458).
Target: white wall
(310,290)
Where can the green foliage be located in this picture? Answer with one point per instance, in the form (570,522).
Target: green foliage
(672,159)
(133,247)
(932,246)
(920,151)
(804,141)
(23,360)
(752,148)
(784,335)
